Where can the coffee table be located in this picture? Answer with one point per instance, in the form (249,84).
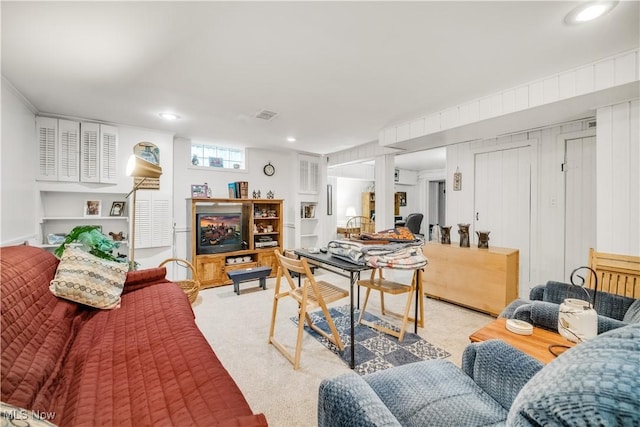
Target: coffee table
(535,345)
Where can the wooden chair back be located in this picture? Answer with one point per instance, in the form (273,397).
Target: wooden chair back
(617,274)
(357,225)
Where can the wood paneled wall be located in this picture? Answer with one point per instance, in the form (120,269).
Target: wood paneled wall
(618,173)
(547,193)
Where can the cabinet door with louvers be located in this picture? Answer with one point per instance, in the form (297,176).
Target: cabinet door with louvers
(90,153)
(68,150)
(108,154)
(47,134)
(98,153)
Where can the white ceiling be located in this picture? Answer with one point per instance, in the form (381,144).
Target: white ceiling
(335,72)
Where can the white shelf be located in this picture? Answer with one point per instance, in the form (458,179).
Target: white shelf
(308,235)
(122,243)
(309,219)
(86,218)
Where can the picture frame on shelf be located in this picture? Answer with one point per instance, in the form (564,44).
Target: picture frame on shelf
(92,207)
(198,191)
(117,209)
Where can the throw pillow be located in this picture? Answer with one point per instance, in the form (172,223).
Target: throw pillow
(633,313)
(597,382)
(89,280)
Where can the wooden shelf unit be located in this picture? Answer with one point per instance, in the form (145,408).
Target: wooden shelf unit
(482,279)
(259,215)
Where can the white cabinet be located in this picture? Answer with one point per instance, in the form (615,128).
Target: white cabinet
(68,151)
(154,227)
(72,151)
(108,154)
(47,134)
(309,174)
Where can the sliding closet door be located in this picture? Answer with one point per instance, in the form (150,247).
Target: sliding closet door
(503,203)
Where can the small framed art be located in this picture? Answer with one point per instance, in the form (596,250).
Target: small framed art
(117,209)
(198,191)
(92,207)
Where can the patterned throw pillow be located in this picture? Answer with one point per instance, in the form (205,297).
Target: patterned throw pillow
(87,279)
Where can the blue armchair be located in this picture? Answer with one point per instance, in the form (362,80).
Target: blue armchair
(596,381)
(613,310)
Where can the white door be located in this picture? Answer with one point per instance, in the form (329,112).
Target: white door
(580,202)
(503,204)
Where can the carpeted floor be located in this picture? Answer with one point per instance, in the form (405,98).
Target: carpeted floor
(374,350)
(237,327)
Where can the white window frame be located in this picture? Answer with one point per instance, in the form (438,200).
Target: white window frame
(219,151)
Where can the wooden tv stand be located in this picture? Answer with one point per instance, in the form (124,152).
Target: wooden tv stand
(482,279)
(212,268)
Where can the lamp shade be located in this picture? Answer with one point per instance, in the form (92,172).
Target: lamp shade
(351,211)
(140,168)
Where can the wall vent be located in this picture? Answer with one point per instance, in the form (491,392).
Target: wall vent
(266,115)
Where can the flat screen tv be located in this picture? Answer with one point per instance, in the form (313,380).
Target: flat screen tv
(219,232)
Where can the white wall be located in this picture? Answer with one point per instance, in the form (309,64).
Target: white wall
(18,169)
(618,178)
(349,193)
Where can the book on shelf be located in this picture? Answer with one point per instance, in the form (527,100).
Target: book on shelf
(238,190)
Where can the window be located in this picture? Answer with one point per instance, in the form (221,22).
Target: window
(212,156)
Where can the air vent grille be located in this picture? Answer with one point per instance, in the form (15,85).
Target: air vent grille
(266,115)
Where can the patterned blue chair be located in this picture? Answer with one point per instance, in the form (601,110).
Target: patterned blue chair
(594,383)
(613,310)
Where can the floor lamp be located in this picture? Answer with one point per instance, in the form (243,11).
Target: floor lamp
(138,168)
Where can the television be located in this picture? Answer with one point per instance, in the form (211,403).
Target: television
(219,232)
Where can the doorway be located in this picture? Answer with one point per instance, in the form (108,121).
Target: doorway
(580,202)
(502,203)
(437,204)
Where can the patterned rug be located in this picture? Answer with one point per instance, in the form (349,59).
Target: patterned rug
(375,350)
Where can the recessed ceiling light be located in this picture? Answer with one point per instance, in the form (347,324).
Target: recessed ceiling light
(169,116)
(589,11)
(291,139)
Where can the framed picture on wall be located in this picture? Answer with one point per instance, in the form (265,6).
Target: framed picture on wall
(92,207)
(198,191)
(117,209)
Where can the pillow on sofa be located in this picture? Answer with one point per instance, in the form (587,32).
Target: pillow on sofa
(633,313)
(89,280)
(596,382)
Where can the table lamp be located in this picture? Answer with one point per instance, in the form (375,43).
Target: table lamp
(138,168)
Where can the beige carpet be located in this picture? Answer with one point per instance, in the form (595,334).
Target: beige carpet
(237,327)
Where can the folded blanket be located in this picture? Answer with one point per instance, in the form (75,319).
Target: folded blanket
(407,255)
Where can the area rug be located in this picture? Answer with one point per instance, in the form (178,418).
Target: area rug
(374,350)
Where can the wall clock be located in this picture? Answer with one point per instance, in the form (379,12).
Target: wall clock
(269,169)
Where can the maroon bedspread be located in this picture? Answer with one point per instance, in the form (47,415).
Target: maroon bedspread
(145,363)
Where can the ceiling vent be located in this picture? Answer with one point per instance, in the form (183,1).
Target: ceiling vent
(266,115)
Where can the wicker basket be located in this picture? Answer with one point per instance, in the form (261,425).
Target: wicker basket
(190,287)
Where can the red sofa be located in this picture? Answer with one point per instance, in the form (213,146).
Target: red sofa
(145,363)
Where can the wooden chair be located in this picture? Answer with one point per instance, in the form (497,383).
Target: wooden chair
(357,225)
(311,294)
(385,286)
(617,274)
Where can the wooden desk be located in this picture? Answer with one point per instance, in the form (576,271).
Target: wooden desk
(536,345)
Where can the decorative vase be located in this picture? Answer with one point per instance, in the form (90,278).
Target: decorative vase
(445,233)
(483,239)
(463,231)
(577,320)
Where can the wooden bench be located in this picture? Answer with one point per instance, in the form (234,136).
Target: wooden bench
(617,274)
(248,274)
